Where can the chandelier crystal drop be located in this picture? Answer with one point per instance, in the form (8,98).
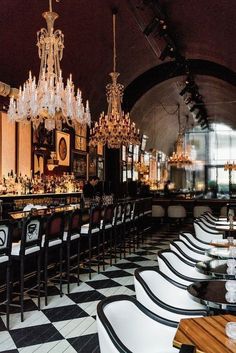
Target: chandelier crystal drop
(49,100)
(180,159)
(114,129)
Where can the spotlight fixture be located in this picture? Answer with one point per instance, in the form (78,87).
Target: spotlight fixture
(167,51)
(151,26)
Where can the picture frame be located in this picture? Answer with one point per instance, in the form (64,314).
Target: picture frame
(63,148)
(80,143)
(79,164)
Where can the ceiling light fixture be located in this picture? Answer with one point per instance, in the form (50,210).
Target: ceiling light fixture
(179,158)
(48,100)
(114,129)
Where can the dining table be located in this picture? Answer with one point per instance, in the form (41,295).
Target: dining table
(212,294)
(207,334)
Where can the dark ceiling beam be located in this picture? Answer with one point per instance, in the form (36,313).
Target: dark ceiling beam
(143,83)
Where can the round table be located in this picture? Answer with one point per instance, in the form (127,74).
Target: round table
(212,294)
(219,253)
(215,268)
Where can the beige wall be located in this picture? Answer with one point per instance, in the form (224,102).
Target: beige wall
(24,150)
(7,145)
(9,152)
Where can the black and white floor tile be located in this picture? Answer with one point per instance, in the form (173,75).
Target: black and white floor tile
(68,323)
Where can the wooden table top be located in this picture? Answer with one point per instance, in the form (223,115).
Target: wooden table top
(207,334)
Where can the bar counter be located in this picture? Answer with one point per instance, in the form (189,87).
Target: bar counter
(11,203)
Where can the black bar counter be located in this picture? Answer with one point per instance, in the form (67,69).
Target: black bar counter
(11,203)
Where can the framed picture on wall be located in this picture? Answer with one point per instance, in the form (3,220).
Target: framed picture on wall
(79,164)
(80,143)
(92,163)
(42,137)
(63,148)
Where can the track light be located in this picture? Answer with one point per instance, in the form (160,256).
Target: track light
(151,26)
(167,51)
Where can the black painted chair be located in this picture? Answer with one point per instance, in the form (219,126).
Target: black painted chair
(5,261)
(89,231)
(71,238)
(28,247)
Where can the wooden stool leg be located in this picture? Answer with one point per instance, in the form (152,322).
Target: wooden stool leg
(39,278)
(22,289)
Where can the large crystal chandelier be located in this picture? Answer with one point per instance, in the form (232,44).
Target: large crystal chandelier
(49,101)
(180,158)
(114,129)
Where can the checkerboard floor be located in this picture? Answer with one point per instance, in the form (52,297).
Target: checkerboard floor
(68,324)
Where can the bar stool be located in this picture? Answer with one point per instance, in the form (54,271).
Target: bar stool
(118,220)
(5,260)
(29,245)
(52,239)
(72,236)
(91,229)
(106,227)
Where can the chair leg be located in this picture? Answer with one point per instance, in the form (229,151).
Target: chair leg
(90,253)
(39,277)
(115,241)
(8,297)
(111,246)
(68,266)
(46,276)
(98,252)
(103,249)
(124,243)
(78,261)
(22,289)
(60,267)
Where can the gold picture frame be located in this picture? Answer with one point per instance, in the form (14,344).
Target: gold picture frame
(63,148)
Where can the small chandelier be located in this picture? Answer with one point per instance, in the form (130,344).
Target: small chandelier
(114,129)
(48,100)
(179,158)
(141,168)
(230,166)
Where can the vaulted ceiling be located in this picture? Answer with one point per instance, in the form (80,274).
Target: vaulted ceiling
(202,31)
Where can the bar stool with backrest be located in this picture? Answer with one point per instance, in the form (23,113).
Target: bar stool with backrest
(107,230)
(5,261)
(29,245)
(53,239)
(72,237)
(91,229)
(118,227)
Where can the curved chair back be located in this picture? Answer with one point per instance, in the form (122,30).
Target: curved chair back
(5,239)
(75,223)
(31,236)
(176,211)
(180,270)
(164,296)
(223,211)
(55,228)
(158,211)
(94,218)
(200,210)
(121,321)
(189,239)
(118,214)
(128,211)
(187,252)
(204,234)
(108,216)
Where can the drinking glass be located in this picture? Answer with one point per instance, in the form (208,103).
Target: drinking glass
(230,329)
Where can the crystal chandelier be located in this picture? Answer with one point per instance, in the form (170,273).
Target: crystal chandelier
(48,100)
(230,166)
(114,129)
(179,158)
